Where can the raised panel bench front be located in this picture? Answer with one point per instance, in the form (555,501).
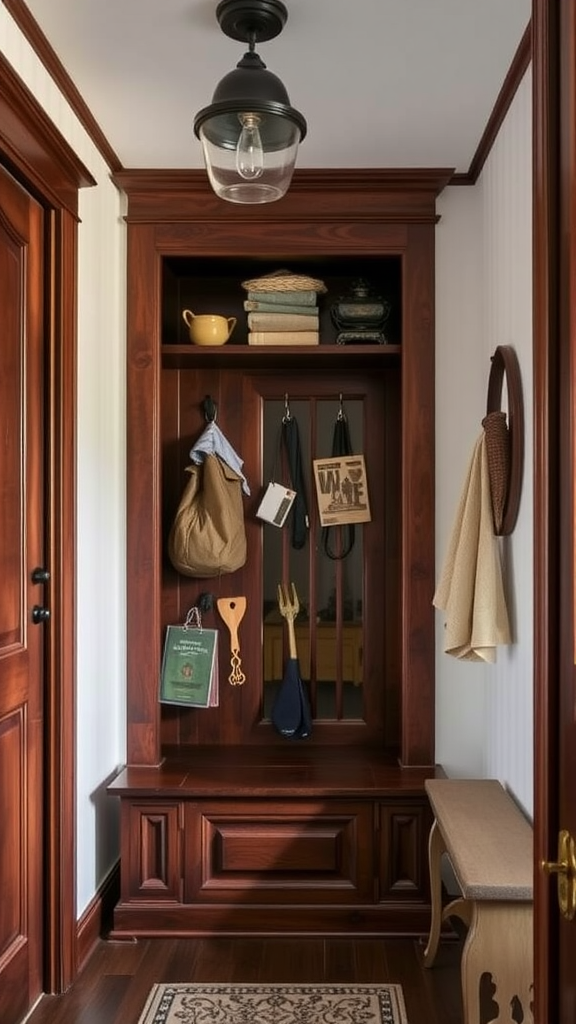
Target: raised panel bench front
(282,852)
(274,842)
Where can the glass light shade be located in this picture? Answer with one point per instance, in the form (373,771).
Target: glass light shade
(254,97)
(278,163)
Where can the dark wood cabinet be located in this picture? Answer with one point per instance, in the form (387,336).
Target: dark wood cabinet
(227,826)
(241,843)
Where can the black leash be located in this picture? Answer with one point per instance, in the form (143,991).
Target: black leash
(345,535)
(299,510)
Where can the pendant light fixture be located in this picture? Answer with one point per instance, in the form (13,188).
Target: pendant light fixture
(250,134)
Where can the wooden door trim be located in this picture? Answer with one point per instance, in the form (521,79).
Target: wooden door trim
(37,155)
(545,36)
(60,933)
(30,142)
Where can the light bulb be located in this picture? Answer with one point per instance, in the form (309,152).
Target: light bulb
(249,152)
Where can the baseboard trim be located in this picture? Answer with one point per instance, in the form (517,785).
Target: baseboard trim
(96,920)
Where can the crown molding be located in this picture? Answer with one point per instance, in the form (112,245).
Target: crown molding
(32,145)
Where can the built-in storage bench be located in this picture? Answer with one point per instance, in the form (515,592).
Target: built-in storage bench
(274,841)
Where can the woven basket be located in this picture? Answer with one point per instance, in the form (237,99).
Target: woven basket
(284,281)
(498,451)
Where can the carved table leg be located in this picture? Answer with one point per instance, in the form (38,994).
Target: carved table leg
(499,942)
(436,848)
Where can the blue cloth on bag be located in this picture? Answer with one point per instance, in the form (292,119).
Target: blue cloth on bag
(213,442)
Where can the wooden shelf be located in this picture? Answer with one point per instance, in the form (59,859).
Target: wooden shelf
(176,357)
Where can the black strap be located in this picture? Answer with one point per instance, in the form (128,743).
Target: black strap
(345,535)
(299,510)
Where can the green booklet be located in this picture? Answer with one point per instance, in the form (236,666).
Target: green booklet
(189,673)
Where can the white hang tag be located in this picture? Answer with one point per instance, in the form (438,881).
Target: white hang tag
(276,504)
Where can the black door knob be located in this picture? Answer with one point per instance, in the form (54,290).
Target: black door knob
(40,614)
(40,575)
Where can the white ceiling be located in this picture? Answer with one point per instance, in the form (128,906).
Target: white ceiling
(381,83)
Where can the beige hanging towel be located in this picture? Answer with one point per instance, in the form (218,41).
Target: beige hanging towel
(470,590)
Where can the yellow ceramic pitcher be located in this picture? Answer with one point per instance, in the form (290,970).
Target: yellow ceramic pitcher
(208,329)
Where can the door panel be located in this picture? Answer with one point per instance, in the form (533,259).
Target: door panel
(554,279)
(21,642)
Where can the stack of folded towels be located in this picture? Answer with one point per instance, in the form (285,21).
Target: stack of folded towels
(283,309)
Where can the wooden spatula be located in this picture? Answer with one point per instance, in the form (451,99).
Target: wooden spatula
(232,611)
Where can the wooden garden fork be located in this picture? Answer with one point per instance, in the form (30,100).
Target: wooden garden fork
(289,606)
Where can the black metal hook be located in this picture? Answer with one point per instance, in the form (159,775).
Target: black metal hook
(210,409)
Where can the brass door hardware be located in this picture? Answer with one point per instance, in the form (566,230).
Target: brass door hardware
(565,869)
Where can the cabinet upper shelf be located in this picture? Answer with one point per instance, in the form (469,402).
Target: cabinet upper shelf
(213,285)
(179,357)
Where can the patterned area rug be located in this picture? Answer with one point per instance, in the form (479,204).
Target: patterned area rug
(274,1004)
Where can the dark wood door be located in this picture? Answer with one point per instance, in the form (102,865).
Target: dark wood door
(554,277)
(563,892)
(21,640)
(562,840)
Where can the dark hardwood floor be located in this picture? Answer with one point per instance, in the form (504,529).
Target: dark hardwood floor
(113,986)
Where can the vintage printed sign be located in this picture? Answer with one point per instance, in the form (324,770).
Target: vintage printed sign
(342,490)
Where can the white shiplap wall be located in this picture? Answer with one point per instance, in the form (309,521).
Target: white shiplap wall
(507,213)
(484,299)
